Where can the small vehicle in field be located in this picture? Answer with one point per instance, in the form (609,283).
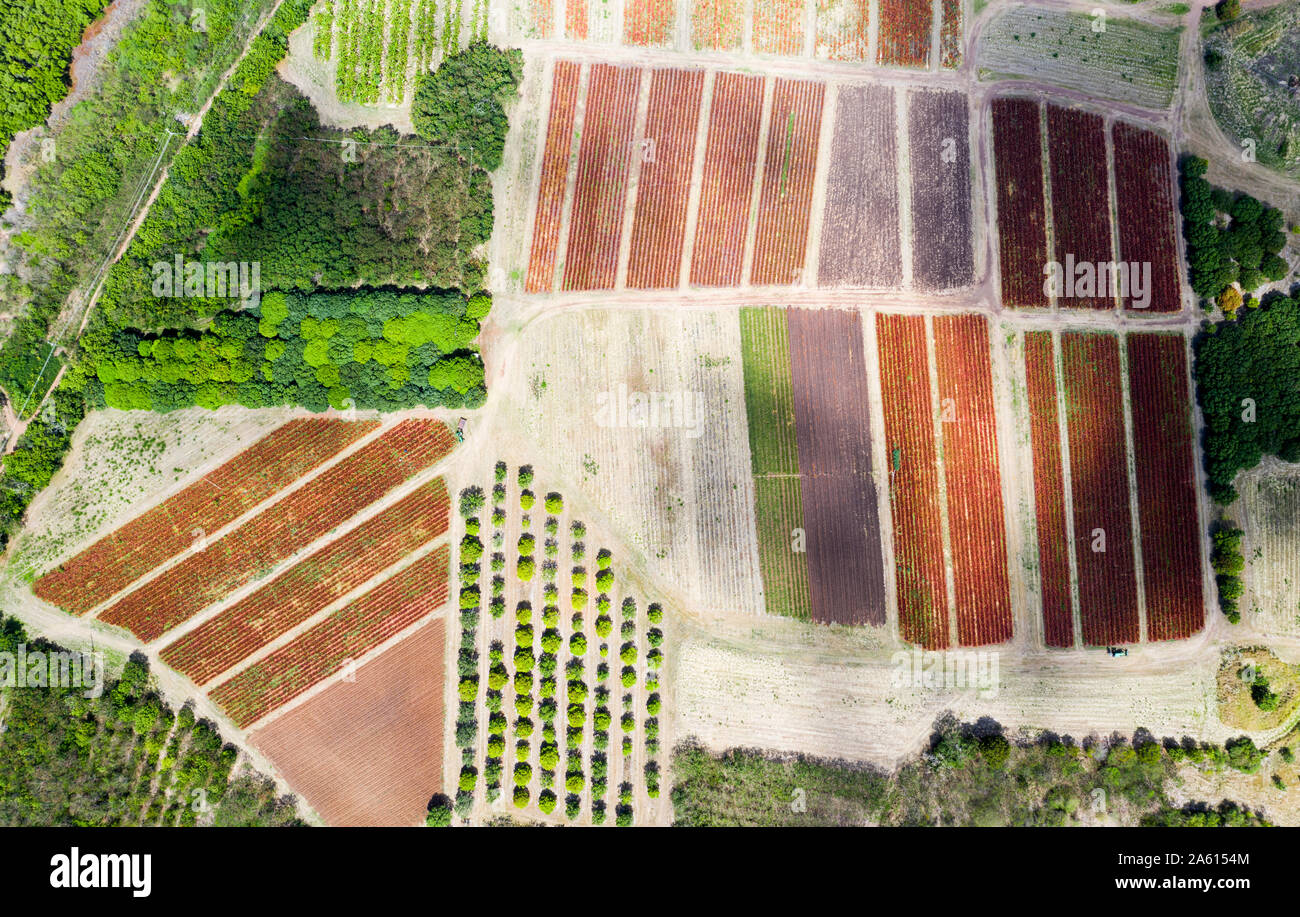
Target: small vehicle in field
(1113,651)
(460,429)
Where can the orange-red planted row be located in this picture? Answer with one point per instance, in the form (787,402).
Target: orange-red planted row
(604,157)
(664,185)
(1103,525)
(288,526)
(785,199)
(1076,145)
(905,33)
(309,586)
(913,480)
(973,479)
(649,22)
(555,171)
(730,158)
(264,468)
(1049,489)
(347,634)
(1166,485)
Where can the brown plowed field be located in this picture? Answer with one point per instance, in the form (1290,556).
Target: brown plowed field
(555,169)
(845,569)
(1049,489)
(369,752)
(1076,148)
(1099,476)
(974,481)
(1166,483)
(913,480)
(785,198)
(284,528)
(1022,215)
(219,498)
(938,134)
(309,586)
(325,648)
(664,187)
(1144,191)
(860,246)
(596,225)
(730,158)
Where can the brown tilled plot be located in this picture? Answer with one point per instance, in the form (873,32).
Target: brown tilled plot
(369,752)
(1076,150)
(659,227)
(938,137)
(730,159)
(845,568)
(859,246)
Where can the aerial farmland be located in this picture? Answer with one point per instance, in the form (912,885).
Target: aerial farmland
(648,401)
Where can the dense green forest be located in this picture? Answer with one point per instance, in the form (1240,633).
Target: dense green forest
(967,777)
(1246,382)
(36,42)
(122,758)
(1231,238)
(113,144)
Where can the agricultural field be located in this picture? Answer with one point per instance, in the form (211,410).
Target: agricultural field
(1022,222)
(1144,189)
(1269,506)
(843,29)
(939,147)
(1126,61)
(515,645)
(1076,143)
(905,28)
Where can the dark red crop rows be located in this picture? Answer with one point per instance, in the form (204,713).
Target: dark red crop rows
(264,468)
(785,199)
(974,482)
(1049,490)
(285,528)
(1076,145)
(555,170)
(604,157)
(1103,524)
(730,158)
(1144,197)
(1166,485)
(913,480)
(1022,219)
(348,633)
(305,589)
(664,185)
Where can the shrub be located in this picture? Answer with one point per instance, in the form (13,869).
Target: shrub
(523,727)
(627,653)
(440,810)
(552,525)
(521,796)
(577,715)
(579,577)
(627,722)
(498,517)
(655,658)
(468,689)
(523,772)
(550,616)
(655,613)
(605,580)
(471,501)
(577,692)
(572,806)
(554,503)
(1243,755)
(472,525)
(629,676)
(546,801)
(469,597)
(497,607)
(524,569)
(524,635)
(579,599)
(526,499)
(525,475)
(604,624)
(652,705)
(468,778)
(549,756)
(1287,754)
(574,783)
(523,704)
(577,644)
(655,636)
(604,557)
(498,493)
(551,640)
(497,677)
(578,530)
(497,724)
(500,472)
(527,543)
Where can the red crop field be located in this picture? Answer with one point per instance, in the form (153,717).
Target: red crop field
(1076,147)
(913,480)
(664,186)
(1022,219)
(282,530)
(219,498)
(1103,526)
(950,34)
(310,586)
(905,33)
(369,752)
(938,130)
(1144,191)
(349,633)
(974,481)
(596,226)
(832,425)
(649,22)
(1049,489)
(730,159)
(717,25)
(860,244)
(1166,485)
(785,199)
(575,20)
(541,18)
(779,27)
(555,170)
(843,29)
